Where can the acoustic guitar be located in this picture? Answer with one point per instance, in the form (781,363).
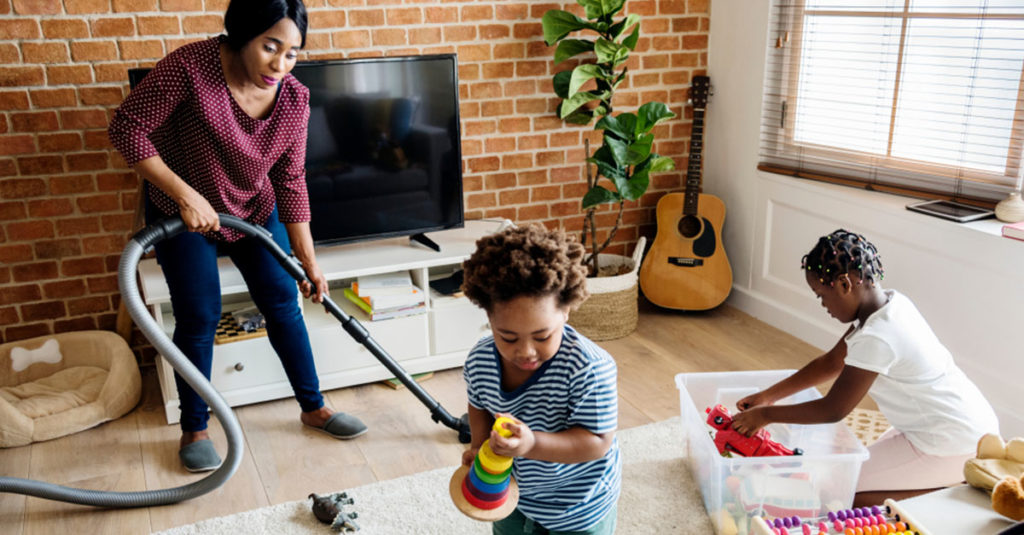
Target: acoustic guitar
(686,268)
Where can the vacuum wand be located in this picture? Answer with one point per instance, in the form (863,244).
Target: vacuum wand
(350,324)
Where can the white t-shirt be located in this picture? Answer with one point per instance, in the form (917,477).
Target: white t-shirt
(919,388)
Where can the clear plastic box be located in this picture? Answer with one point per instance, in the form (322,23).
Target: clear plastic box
(735,488)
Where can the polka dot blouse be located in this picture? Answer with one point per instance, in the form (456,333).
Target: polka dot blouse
(184,111)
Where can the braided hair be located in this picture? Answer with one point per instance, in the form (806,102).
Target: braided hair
(525,261)
(844,252)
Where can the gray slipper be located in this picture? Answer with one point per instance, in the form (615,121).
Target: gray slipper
(199,456)
(342,426)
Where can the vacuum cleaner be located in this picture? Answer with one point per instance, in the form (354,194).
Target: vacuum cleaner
(141,242)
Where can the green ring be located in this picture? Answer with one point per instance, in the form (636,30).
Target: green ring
(488,477)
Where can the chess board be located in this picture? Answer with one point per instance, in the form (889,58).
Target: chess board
(867,424)
(228,331)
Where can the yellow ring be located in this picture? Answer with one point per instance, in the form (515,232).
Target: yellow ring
(500,428)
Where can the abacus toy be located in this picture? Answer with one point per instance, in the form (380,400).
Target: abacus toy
(875,520)
(486,490)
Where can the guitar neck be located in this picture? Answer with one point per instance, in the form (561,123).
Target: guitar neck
(693,168)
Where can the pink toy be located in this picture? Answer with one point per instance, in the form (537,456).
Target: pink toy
(728,439)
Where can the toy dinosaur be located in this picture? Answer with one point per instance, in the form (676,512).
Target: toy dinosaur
(330,509)
(728,439)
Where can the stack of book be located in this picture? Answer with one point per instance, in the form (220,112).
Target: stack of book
(387,295)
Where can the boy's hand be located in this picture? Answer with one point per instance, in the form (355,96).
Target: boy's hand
(754,400)
(468,456)
(749,421)
(518,444)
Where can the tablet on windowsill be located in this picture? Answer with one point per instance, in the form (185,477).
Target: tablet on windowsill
(954,211)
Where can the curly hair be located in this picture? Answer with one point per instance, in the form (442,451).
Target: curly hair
(844,252)
(525,261)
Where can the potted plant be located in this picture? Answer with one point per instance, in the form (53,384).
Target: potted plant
(622,164)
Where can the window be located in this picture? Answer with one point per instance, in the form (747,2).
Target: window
(921,97)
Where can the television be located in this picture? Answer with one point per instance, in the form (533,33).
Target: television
(383,156)
(383,152)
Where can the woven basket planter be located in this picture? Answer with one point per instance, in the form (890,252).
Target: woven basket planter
(611,310)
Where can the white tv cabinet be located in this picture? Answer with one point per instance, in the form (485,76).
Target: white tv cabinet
(248,371)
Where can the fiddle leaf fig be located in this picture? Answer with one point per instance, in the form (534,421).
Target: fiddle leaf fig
(568,48)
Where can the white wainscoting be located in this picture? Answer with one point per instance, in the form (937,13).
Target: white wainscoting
(967,280)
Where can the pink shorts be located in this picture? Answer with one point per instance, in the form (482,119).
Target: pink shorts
(895,464)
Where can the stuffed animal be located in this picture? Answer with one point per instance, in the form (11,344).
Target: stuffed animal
(999,468)
(1008,498)
(995,460)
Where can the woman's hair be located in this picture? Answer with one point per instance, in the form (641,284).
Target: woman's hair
(525,261)
(247,19)
(844,252)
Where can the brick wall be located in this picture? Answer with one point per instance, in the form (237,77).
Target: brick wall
(67,199)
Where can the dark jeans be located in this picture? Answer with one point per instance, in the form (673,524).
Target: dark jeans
(517,524)
(189,263)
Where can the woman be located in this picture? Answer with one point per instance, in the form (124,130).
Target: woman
(219,126)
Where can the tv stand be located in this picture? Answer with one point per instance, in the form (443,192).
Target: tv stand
(427,242)
(249,371)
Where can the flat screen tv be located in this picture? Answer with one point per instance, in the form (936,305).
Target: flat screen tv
(383,154)
(383,157)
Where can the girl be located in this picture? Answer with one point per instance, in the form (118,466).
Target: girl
(558,386)
(937,414)
(219,126)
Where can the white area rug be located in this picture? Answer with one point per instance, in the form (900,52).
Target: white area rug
(658,496)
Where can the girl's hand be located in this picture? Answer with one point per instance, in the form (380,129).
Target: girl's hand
(468,456)
(312,270)
(754,400)
(749,421)
(518,444)
(198,214)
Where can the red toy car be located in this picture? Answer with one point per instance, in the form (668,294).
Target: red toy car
(728,439)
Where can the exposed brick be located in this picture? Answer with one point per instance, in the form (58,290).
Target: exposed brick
(36,7)
(487,163)
(388,37)
(10,211)
(82,7)
(57,249)
(89,161)
(46,310)
(69,184)
(87,305)
(366,17)
(9,54)
(104,284)
(45,52)
(24,332)
(17,144)
(98,139)
(508,51)
(18,76)
(77,226)
(532,212)
(102,244)
(455,34)
(481,200)
(695,42)
(80,119)
(161,25)
(85,51)
(350,38)
(14,100)
(18,28)
(117,223)
(9,316)
(404,16)
(146,49)
(39,165)
(34,272)
(61,142)
(76,267)
(53,98)
(65,28)
(7,167)
(210,24)
(134,6)
(21,294)
(182,5)
(11,254)
(68,75)
(41,121)
(85,323)
(50,207)
(97,203)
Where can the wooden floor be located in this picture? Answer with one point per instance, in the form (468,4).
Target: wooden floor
(285,461)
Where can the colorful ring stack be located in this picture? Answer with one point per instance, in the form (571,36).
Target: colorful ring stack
(486,486)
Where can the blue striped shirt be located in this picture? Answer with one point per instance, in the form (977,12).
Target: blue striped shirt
(575,388)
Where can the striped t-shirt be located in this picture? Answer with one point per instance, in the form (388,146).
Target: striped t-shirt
(575,388)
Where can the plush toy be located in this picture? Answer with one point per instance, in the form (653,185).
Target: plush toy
(999,468)
(995,461)
(1008,498)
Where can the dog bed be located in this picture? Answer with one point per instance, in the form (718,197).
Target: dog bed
(56,385)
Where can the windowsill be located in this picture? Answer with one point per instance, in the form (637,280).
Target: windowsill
(895,205)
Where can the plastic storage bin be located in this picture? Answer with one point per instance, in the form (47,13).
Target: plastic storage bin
(735,488)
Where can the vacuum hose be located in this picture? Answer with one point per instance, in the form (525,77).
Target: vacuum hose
(126,276)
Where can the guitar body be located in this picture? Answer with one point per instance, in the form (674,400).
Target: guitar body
(686,268)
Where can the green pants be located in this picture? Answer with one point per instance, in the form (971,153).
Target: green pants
(517,524)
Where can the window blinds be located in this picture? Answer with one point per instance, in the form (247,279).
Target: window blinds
(924,97)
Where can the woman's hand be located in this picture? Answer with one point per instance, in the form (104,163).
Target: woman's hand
(749,421)
(312,270)
(198,214)
(518,444)
(754,400)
